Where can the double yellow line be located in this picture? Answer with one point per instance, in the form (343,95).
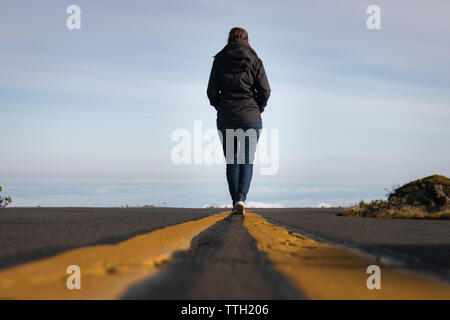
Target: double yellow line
(322,271)
(318,270)
(107,270)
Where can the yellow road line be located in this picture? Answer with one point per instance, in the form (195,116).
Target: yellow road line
(107,271)
(322,271)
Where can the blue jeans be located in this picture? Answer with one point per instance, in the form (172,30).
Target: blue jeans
(239,160)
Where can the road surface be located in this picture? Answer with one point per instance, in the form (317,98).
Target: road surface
(176,253)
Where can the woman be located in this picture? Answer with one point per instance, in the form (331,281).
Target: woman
(238,88)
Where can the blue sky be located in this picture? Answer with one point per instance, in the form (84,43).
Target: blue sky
(99,104)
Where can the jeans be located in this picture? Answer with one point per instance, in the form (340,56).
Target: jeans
(239,159)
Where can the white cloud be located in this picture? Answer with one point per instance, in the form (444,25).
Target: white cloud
(324,205)
(258,204)
(251,204)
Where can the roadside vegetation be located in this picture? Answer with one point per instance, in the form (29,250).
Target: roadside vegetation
(4,201)
(427,198)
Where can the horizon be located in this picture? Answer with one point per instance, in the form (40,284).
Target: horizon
(186,194)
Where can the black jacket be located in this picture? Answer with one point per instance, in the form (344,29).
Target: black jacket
(238,87)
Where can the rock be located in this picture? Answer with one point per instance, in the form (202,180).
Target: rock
(431,192)
(440,196)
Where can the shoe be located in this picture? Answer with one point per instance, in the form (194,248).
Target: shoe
(239,207)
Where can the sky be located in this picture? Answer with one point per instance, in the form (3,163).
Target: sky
(355,108)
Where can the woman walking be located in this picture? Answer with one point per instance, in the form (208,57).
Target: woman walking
(239,90)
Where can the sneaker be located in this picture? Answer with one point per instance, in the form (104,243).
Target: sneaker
(239,207)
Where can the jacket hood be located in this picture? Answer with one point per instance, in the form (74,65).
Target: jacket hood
(237,57)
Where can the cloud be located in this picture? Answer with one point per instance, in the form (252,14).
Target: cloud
(258,204)
(252,204)
(323,205)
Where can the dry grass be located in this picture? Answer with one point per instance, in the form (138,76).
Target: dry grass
(405,212)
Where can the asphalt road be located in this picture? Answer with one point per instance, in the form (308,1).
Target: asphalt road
(28,234)
(419,245)
(223,256)
(223,262)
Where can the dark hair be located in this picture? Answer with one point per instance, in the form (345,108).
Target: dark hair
(237,34)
